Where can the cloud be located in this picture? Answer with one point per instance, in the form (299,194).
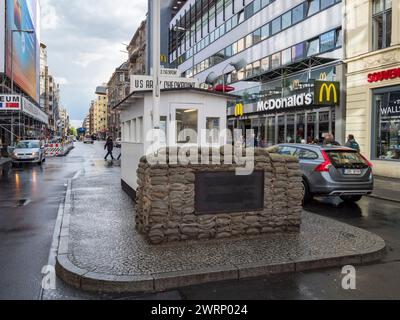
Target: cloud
(61,80)
(84,39)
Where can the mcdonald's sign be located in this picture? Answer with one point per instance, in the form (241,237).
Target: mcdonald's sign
(239,110)
(327,93)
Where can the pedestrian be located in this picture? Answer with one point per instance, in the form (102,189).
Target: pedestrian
(330,140)
(352,143)
(110,147)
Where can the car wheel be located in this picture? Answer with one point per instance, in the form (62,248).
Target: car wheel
(351,199)
(308,196)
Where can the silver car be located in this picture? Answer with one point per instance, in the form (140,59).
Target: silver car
(29,151)
(332,171)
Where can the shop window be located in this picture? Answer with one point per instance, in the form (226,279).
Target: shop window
(281,129)
(327,41)
(186,125)
(381,24)
(270,131)
(387,125)
(298,14)
(311,127)
(323,125)
(290,138)
(276,26)
(313,7)
(286,20)
(301,127)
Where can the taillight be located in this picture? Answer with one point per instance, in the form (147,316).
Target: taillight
(369,163)
(324,167)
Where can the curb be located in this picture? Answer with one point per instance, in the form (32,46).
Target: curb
(384,198)
(88,280)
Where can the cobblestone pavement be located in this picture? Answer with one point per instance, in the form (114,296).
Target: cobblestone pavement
(103,237)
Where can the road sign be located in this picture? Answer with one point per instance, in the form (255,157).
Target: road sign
(145,83)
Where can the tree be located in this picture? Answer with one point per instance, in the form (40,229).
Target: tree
(72,131)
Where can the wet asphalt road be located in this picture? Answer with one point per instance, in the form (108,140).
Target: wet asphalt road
(29,201)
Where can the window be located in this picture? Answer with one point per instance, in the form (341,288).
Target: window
(213,128)
(186,125)
(339,38)
(327,41)
(228,51)
(249,70)
(276,26)
(286,20)
(312,47)
(298,14)
(313,7)
(265,64)
(249,11)
(240,45)
(381,24)
(256,67)
(326,3)
(240,17)
(387,125)
(249,41)
(265,32)
(307,154)
(286,56)
(276,60)
(298,51)
(257,36)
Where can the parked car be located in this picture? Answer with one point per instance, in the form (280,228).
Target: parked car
(118,143)
(88,139)
(29,151)
(332,171)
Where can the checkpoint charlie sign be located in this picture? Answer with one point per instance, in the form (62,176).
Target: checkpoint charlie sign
(145,83)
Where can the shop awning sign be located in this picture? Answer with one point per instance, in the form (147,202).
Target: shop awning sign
(10,102)
(327,93)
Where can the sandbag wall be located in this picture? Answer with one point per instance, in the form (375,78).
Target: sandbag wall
(165,204)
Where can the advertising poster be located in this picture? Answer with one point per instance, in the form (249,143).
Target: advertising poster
(21,15)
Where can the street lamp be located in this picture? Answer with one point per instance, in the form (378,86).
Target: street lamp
(29,31)
(237,65)
(182,29)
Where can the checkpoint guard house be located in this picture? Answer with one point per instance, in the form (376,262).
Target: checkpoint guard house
(183,106)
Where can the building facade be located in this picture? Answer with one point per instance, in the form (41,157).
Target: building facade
(137,51)
(117,89)
(266,51)
(373,81)
(100,110)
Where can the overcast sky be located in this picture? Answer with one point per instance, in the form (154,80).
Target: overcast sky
(84,39)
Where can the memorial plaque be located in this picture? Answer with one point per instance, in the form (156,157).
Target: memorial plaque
(226,192)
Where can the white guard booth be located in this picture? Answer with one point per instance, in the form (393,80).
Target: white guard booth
(182,110)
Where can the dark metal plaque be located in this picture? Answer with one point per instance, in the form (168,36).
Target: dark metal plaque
(226,192)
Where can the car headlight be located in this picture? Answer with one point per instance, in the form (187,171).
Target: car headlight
(36,154)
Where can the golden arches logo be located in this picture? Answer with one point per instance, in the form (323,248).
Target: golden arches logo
(239,110)
(323,76)
(328,90)
(163,58)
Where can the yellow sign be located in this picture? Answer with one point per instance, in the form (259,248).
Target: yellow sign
(239,110)
(163,58)
(327,92)
(323,76)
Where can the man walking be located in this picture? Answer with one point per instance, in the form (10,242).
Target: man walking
(352,143)
(110,147)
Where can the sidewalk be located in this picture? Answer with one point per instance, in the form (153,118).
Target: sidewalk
(100,250)
(387,189)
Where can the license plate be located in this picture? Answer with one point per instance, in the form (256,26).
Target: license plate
(352,172)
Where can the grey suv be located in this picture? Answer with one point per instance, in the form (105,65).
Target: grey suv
(332,171)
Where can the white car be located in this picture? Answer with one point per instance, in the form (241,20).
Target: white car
(29,151)
(118,143)
(88,139)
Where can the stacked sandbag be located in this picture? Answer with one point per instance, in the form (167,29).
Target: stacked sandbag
(165,209)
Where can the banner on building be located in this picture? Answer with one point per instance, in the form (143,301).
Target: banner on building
(30,109)
(10,102)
